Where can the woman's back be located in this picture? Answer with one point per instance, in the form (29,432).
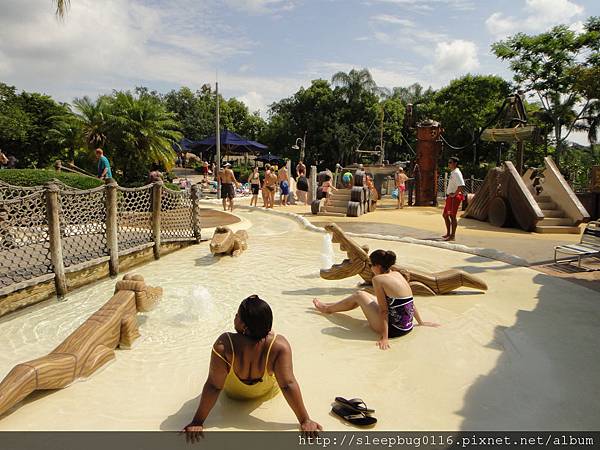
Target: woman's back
(249,358)
(394,284)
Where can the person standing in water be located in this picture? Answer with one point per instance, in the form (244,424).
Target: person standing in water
(284,186)
(254,180)
(454,196)
(251,364)
(228,183)
(391,310)
(270,186)
(400,180)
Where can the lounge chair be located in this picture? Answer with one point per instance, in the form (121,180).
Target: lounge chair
(588,246)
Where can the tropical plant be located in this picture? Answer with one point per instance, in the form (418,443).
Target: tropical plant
(93,117)
(66,134)
(141,133)
(546,65)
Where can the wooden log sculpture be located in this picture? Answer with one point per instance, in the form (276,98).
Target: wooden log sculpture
(88,348)
(422,283)
(226,242)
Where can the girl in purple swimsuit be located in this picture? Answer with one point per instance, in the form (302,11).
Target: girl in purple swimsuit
(391,310)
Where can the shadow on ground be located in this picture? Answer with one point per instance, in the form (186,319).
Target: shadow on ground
(546,375)
(227,413)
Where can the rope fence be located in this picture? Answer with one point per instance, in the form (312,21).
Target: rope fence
(49,231)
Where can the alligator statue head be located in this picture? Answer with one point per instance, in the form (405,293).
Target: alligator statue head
(225,241)
(358,263)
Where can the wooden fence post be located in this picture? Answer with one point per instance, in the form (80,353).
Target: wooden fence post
(313,183)
(156,203)
(56,253)
(195,193)
(472,191)
(112,231)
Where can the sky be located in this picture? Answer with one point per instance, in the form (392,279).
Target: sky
(260,50)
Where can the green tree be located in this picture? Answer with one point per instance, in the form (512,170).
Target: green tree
(546,65)
(141,133)
(14,122)
(465,106)
(93,118)
(66,134)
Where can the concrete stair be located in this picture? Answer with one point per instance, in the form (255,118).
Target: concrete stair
(555,220)
(338,203)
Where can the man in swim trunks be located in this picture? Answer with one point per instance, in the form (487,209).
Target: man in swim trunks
(300,169)
(228,183)
(454,196)
(284,186)
(270,184)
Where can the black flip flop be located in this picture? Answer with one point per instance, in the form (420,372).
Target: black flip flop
(353,416)
(356,403)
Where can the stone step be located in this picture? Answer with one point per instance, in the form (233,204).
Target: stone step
(557,229)
(338,202)
(542,198)
(337,209)
(553,213)
(342,196)
(552,221)
(547,205)
(330,214)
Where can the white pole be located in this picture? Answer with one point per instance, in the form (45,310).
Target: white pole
(218,126)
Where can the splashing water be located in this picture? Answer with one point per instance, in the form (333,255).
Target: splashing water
(327,252)
(196,304)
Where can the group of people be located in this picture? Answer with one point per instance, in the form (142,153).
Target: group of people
(266,185)
(256,363)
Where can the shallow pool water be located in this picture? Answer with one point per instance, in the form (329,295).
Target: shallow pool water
(434,378)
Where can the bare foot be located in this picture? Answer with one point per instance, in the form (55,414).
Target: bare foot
(446,236)
(449,238)
(320,306)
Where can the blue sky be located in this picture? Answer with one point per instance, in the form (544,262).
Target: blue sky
(263,50)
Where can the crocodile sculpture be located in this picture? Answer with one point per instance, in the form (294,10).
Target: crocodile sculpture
(226,242)
(422,283)
(88,348)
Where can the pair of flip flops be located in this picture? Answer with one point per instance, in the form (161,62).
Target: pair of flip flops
(354,411)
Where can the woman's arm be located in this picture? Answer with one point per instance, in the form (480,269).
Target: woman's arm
(284,372)
(383,342)
(212,387)
(420,321)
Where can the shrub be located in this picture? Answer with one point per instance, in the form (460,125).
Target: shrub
(39,177)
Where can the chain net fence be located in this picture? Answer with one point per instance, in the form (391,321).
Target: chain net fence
(134,217)
(83,225)
(176,223)
(25,249)
(24,239)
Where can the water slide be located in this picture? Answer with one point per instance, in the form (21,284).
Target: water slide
(540,201)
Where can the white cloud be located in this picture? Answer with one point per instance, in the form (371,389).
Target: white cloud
(454,58)
(261,6)
(254,101)
(431,5)
(391,19)
(118,44)
(536,16)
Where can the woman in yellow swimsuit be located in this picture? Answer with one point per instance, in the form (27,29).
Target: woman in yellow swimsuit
(252,363)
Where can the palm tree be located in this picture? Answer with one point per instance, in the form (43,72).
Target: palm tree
(354,83)
(66,133)
(142,132)
(93,117)
(61,7)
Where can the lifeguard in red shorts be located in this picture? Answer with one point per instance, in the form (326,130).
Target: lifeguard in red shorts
(454,197)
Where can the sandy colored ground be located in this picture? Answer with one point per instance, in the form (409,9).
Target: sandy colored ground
(522,356)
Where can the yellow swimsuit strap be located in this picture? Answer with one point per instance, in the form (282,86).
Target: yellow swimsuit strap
(230,364)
